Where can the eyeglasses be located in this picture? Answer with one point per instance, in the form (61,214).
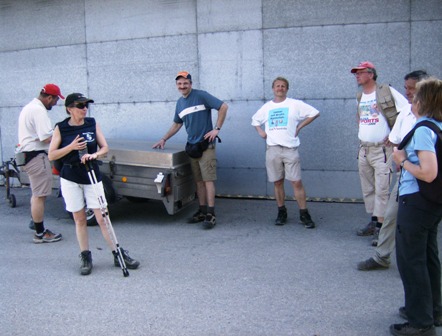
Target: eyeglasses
(81,105)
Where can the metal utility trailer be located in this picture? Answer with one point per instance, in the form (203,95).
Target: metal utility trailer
(138,171)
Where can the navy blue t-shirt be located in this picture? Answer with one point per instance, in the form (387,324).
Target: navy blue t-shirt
(195,111)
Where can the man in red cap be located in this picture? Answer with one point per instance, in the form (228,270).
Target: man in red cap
(35,134)
(378,107)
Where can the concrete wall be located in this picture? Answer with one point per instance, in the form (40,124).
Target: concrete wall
(125,54)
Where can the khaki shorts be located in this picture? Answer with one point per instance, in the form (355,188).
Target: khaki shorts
(76,196)
(204,168)
(39,171)
(283,162)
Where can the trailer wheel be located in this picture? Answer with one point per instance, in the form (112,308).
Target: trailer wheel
(12,201)
(90,217)
(109,193)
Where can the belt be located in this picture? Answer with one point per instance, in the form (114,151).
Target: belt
(372,144)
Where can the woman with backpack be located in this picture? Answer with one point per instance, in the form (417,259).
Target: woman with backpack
(418,217)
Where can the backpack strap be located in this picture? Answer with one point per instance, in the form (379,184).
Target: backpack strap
(425,123)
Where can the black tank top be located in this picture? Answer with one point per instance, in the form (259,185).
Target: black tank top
(73,170)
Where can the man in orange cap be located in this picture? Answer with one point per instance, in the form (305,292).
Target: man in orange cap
(194,110)
(35,134)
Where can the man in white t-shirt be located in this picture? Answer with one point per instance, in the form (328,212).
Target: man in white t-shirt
(34,135)
(374,159)
(283,118)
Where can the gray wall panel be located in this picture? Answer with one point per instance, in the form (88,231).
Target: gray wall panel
(426,10)
(39,24)
(320,58)
(109,20)
(139,70)
(241,182)
(27,71)
(229,15)
(426,48)
(238,54)
(283,13)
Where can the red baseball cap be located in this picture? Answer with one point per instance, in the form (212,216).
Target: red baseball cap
(362,66)
(53,90)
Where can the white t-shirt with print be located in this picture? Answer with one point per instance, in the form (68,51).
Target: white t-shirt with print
(281,120)
(373,126)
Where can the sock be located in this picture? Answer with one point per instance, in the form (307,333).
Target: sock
(39,228)
(374,219)
(211,210)
(282,208)
(378,225)
(302,211)
(203,209)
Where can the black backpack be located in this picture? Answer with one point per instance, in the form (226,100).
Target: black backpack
(431,191)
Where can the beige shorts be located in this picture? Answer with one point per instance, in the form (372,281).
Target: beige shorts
(77,196)
(204,168)
(283,162)
(39,171)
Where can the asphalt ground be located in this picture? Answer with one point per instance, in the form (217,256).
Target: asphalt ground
(244,277)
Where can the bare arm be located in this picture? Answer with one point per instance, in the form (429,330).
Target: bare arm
(170,133)
(56,153)
(426,170)
(222,112)
(102,145)
(304,123)
(261,132)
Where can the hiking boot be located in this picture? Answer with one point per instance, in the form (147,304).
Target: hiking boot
(306,219)
(86,263)
(375,240)
(197,217)
(405,329)
(370,265)
(368,230)
(436,316)
(31,225)
(47,237)
(282,217)
(130,263)
(209,221)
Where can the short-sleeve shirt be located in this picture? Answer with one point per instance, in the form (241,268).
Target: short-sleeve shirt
(34,126)
(423,139)
(373,127)
(281,120)
(195,111)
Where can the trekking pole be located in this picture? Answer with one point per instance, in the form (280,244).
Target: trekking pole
(105,214)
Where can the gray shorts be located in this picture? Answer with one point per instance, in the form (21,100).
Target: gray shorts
(39,171)
(204,168)
(283,162)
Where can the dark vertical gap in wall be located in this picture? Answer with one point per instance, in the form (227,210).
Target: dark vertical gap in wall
(86,54)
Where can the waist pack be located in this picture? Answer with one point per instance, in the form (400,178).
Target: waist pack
(196,150)
(430,191)
(22,158)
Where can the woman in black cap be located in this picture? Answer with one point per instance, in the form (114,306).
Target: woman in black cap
(75,140)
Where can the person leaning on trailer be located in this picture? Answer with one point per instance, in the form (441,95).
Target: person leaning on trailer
(194,110)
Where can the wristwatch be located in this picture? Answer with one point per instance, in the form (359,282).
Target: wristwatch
(403,162)
(218,128)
